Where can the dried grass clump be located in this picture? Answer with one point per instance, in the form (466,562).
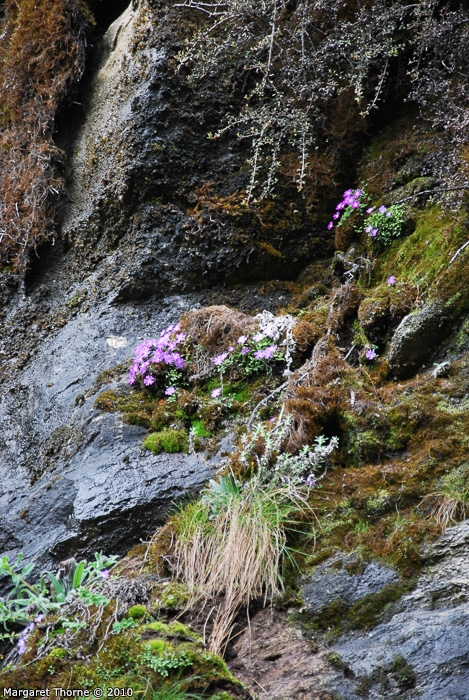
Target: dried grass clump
(449,503)
(42,52)
(211,330)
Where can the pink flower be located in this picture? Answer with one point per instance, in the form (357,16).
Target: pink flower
(149,380)
(219,359)
(330,225)
(104,573)
(170,391)
(369,210)
(215,393)
(370,354)
(244,351)
(242,339)
(391,280)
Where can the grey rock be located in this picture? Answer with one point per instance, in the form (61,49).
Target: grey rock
(422,650)
(75,480)
(416,337)
(347,579)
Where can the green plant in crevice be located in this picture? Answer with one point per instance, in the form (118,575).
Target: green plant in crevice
(163,659)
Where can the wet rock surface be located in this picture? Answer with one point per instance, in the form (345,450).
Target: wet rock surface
(74,479)
(346,579)
(129,261)
(422,650)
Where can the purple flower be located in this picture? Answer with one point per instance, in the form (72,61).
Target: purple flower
(105,573)
(178,361)
(369,229)
(370,354)
(357,193)
(389,213)
(22,646)
(39,618)
(391,280)
(149,380)
(215,393)
(310,481)
(330,225)
(242,339)
(231,348)
(374,232)
(269,352)
(219,359)
(382,209)
(369,210)
(266,354)
(258,337)
(347,194)
(170,391)
(244,351)
(132,374)
(336,215)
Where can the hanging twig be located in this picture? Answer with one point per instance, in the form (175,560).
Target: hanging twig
(460,250)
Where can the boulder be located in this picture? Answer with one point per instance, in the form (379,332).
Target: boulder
(416,338)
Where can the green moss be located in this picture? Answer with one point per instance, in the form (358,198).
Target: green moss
(368,612)
(423,259)
(173,596)
(58,653)
(199,429)
(137,612)
(167,441)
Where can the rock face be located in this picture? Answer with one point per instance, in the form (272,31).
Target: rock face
(143,175)
(73,479)
(127,264)
(420,650)
(416,337)
(346,580)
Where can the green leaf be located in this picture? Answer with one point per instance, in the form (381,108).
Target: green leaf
(59,589)
(78,575)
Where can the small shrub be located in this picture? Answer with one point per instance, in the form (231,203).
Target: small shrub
(167,441)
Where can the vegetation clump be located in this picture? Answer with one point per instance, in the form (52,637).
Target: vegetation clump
(42,53)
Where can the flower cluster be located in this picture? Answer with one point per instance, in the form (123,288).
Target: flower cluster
(383,223)
(350,199)
(157,351)
(273,341)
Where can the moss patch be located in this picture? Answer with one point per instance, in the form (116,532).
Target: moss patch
(166,441)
